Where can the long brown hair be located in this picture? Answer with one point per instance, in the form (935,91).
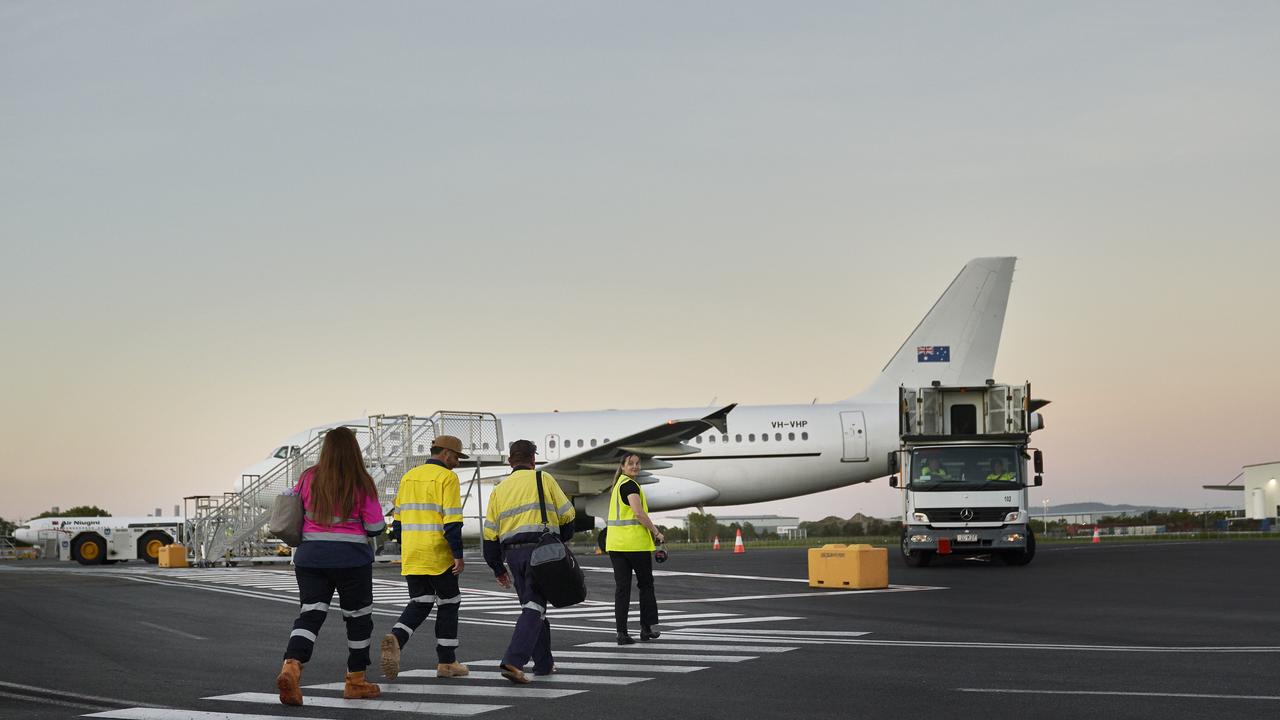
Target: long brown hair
(340,480)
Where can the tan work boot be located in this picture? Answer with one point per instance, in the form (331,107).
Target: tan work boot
(357,688)
(453,669)
(289,682)
(514,674)
(390,660)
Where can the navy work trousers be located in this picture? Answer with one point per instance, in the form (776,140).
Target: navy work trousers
(425,591)
(355,597)
(532,636)
(641,563)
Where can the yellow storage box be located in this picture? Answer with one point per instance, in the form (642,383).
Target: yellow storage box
(849,567)
(173,556)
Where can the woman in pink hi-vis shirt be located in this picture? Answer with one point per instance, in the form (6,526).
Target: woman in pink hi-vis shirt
(342,513)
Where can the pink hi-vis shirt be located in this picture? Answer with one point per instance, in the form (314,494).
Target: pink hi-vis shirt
(367,517)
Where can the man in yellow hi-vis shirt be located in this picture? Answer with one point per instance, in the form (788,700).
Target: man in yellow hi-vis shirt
(512,527)
(430,508)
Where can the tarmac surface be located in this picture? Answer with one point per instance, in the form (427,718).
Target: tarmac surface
(1147,630)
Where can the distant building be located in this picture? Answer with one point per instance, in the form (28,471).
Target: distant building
(1261,489)
(785,527)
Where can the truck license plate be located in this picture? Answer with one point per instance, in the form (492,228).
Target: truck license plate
(967,537)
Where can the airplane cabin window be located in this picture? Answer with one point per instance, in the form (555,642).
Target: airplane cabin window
(804,436)
(593,442)
(751,437)
(737,438)
(711,438)
(579,443)
(764,437)
(777,436)
(551,444)
(698,439)
(724,438)
(791,436)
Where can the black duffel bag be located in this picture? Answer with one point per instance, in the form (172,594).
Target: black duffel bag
(556,572)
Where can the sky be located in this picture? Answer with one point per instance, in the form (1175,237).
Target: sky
(223,223)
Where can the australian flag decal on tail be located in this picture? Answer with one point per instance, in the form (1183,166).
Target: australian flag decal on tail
(933,353)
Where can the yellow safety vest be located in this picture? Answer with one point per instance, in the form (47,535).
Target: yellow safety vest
(1002,477)
(927,473)
(428,499)
(514,510)
(626,534)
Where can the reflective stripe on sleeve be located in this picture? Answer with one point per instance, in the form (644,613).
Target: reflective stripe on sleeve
(304,634)
(531,605)
(564,509)
(490,525)
(446,642)
(407,630)
(358,644)
(335,537)
(322,607)
(368,609)
(375,527)
(453,511)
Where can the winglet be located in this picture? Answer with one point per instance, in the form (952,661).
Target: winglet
(720,418)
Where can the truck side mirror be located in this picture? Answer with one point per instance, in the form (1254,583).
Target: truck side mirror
(1037,459)
(893,481)
(1037,482)
(893,462)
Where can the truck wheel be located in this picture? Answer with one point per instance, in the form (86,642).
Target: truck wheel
(150,543)
(1018,558)
(89,549)
(914,558)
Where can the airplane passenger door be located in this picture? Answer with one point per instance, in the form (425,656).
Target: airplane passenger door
(854,430)
(551,448)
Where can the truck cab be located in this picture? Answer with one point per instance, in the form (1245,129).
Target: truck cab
(965,468)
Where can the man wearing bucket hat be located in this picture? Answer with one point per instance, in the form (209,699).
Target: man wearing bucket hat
(430,508)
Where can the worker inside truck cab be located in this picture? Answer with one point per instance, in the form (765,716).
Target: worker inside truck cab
(933,470)
(998,473)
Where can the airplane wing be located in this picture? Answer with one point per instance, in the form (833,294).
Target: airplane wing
(592,471)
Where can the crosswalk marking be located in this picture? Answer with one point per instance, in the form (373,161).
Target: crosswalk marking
(646,647)
(682,616)
(816,633)
(460,690)
(726,621)
(651,656)
(141,713)
(612,667)
(396,705)
(559,677)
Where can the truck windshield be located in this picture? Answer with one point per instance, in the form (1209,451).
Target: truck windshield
(964,468)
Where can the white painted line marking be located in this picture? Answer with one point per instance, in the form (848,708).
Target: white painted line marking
(460,690)
(559,677)
(730,621)
(667,617)
(175,632)
(719,576)
(175,714)
(396,705)
(72,695)
(50,701)
(651,656)
(643,649)
(810,594)
(1122,693)
(612,667)
(830,633)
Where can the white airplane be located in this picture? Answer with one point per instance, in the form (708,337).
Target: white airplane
(739,455)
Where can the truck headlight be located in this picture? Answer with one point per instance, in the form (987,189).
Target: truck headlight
(921,539)
(920,517)
(1013,517)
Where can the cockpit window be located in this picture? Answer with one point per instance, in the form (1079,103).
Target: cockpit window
(282,452)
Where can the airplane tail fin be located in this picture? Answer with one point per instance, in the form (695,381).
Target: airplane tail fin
(957,341)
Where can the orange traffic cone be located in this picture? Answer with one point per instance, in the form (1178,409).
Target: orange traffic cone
(1097,536)
(738,547)
(715,544)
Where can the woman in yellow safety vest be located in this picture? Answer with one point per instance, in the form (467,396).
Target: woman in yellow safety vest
(629,542)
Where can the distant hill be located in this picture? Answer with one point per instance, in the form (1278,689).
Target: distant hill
(1101,508)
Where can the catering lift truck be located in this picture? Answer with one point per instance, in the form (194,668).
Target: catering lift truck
(962,470)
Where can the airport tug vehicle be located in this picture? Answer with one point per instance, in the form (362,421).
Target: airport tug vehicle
(962,469)
(94,541)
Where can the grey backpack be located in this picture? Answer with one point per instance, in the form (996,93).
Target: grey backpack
(286,518)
